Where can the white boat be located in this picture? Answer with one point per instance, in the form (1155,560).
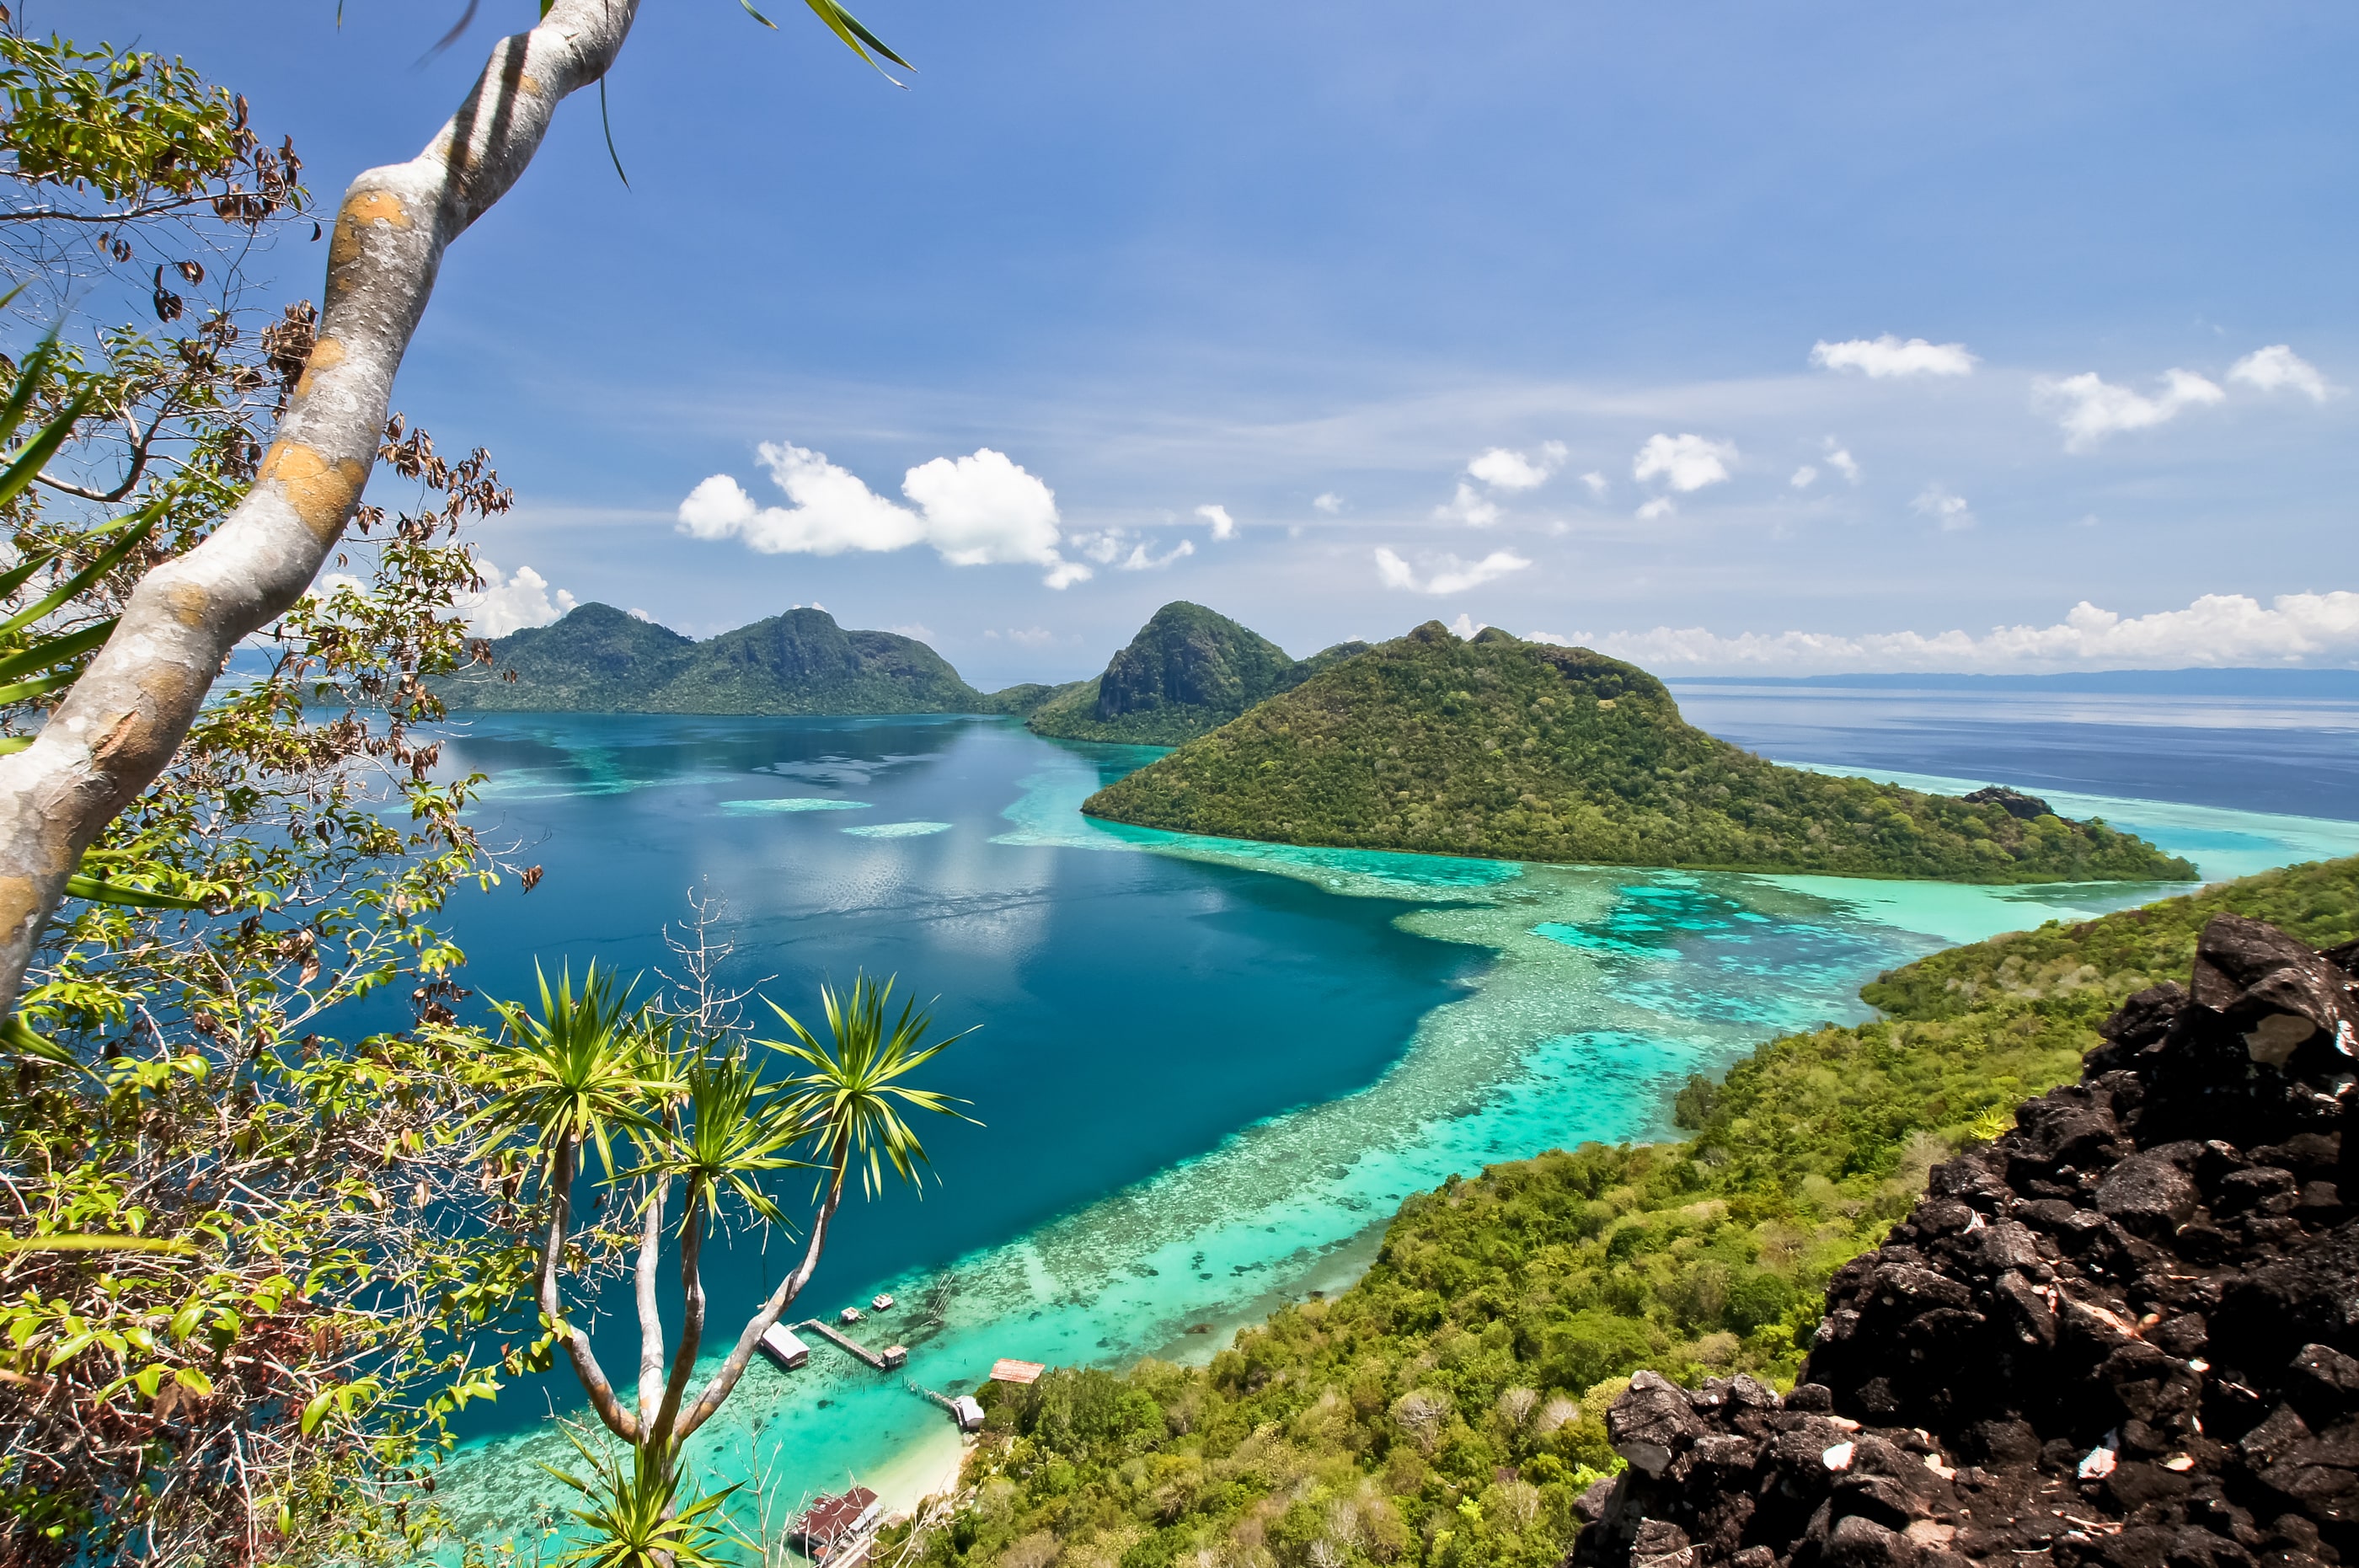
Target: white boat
(882,1304)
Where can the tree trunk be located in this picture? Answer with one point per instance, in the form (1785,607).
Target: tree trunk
(120,723)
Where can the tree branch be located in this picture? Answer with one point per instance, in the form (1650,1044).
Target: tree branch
(618,1420)
(742,1354)
(120,723)
(691,1327)
(651,1346)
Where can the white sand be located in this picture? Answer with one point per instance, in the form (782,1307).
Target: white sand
(928,1467)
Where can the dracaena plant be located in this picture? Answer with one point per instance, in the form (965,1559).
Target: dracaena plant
(714,1136)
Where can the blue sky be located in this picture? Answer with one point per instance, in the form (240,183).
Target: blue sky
(1151,259)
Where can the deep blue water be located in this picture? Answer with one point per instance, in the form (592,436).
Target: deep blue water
(1206,1068)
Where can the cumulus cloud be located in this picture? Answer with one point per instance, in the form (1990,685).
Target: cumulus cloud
(2218,629)
(1504,469)
(917,629)
(1804,477)
(2090,408)
(2267,369)
(1684,462)
(1658,509)
(1598,484)
(1449,575)
(1469,506)
(1030,637)
(1944,505)
(1841,460)
(979,510)
(1328,502)
(506,604)
(1887,356)
(1467,626)
(1223,526)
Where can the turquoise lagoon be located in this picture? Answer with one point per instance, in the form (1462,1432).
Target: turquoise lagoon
(1208,1069)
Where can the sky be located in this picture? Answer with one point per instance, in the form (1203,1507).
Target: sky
(1727,337)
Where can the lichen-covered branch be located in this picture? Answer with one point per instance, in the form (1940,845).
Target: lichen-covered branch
(117,728)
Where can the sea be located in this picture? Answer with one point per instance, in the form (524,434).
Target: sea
(1201,1073)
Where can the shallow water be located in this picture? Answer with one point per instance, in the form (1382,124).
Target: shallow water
(1208,1067)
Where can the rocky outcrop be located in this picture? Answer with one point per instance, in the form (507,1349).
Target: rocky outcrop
(2015,802)
(2124,1334)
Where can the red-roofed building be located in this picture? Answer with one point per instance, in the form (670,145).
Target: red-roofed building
(833,1525)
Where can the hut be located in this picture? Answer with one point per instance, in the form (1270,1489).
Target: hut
(1006,1371)
(967,1413)
(780,1346)
(833,1529)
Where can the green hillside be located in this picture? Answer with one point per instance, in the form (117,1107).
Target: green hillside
(1522,751)
(1188,671)
(600,659)
(1445,1411)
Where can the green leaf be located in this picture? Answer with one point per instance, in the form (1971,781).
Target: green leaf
(34,454)
(17,1035)
(144,524)
(57,650)
(847,26)
(74,1242)
(757,16)
(193,1379)
(100,890)
(317,1410)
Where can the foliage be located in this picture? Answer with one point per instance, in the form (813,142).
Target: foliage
(1521,751)
(676,1078)
(1447,1409)
(1188,671)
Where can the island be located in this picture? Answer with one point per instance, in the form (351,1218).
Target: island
(1507,750)
(1188,671)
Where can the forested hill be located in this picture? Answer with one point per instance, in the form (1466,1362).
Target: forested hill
(601,660)
(1188,671)
(1447,1409)
(1524,751)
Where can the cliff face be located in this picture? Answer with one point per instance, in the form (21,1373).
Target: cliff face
(2123,1333)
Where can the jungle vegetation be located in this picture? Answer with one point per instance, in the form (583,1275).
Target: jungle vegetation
(1188,671)
(1444,1412)
(1524,751)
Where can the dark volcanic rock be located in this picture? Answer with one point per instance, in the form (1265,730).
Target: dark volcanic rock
(2015,802)
(2125,1334)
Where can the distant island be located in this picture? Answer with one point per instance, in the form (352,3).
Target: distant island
(1188,671)
(1515,750)
(600,659)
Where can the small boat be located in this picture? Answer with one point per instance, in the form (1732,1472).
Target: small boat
(882,1304)
(849,1316)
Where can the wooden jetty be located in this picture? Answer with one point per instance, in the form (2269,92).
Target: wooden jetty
(892,1355)
(965,1409)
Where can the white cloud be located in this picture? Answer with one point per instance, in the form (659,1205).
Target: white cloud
(1030,637)
(2090,408)
(1504,469)
(974,511)
(508,604)
(917,629)
(1804,477)
(1598,484)
(1451,575)
(1328,502)
(1887,356)
(1469,506)
(1141,559)
(1685,461)
(1658,509)
(1841,460)
(2267,369)
(1944,505)
(1223,526)
(638,615)
(2218,629)
(1466,626)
